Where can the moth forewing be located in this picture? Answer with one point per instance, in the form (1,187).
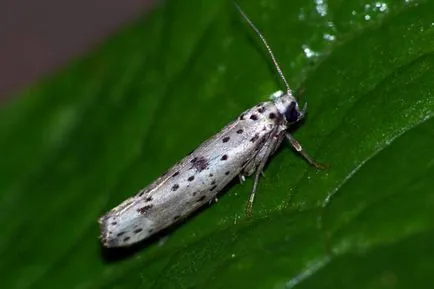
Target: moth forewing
(236,150)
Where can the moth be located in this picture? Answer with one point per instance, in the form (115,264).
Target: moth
(241,148)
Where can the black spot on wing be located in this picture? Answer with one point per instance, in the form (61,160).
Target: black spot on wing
(175,187)
(138,230)
(254,138)
(199,163)
(144,209)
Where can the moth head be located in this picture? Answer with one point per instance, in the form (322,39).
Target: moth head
(287,106)
(293,113)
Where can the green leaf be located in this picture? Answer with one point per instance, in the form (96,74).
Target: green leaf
(83,139)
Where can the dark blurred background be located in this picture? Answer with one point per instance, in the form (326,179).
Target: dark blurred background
(37,37)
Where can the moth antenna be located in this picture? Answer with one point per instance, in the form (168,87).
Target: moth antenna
(264,41)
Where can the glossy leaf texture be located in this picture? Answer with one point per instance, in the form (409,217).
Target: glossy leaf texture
(83,139)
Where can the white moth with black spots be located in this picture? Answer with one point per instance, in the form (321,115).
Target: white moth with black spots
(241,148)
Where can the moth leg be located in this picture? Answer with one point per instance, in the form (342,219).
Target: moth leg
(297,146)
(242,178)
(258,173)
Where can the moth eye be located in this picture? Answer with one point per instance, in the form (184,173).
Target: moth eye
(291,113)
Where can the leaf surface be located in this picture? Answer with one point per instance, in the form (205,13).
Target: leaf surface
(90,135)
